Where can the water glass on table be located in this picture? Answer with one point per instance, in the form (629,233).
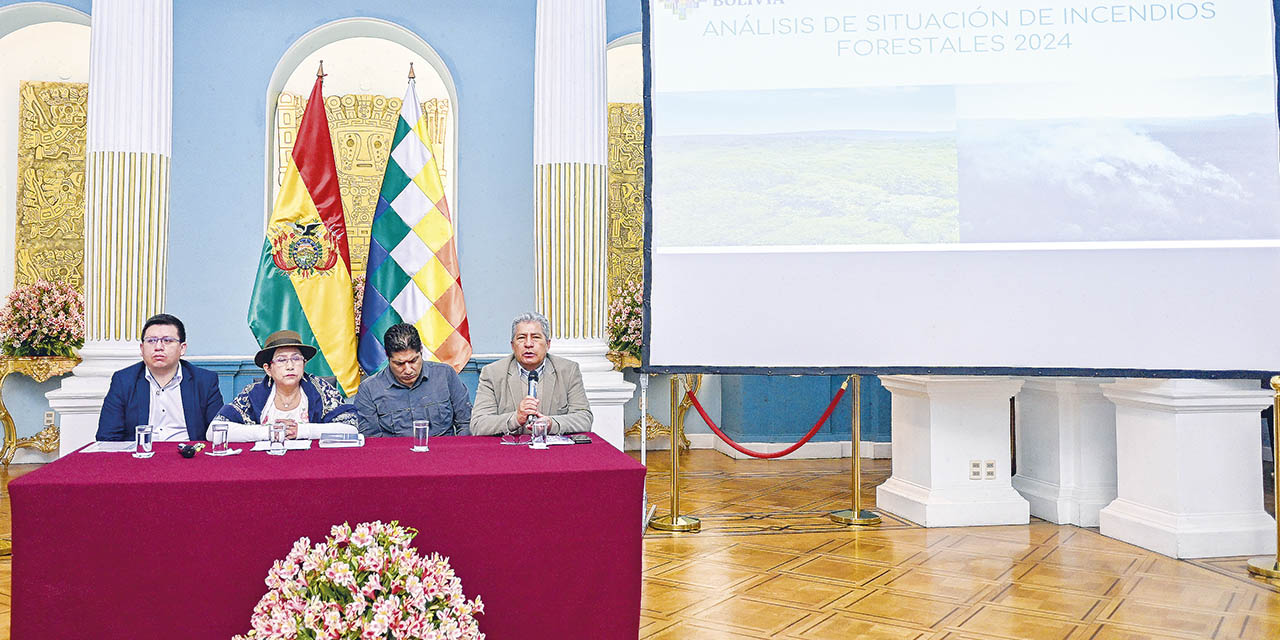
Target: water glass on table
(218,432)
(276,434)
(143,435)
(538,427)
(421,430)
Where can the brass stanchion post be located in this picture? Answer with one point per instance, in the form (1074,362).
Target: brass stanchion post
(1269,566)
(674,521)
(856,516)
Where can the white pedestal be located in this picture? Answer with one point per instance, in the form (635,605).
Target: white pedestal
(1066,449)
(606,390)
(1189,467)
(78,400)
(941,424)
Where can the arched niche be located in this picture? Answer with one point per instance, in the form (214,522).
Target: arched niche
(624,62)
(40,42)
(366,64)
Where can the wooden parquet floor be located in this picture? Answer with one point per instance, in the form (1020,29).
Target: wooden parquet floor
(769,564)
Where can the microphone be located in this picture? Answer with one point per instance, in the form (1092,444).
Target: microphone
(533,384)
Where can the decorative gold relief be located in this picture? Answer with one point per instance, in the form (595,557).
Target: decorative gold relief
(626,194)
(362,128)
(49,238)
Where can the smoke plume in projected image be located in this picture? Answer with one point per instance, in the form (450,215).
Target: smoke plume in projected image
(1119,179)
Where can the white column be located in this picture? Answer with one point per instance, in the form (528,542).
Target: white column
(1066,449)
(942,425)
(1189,464)
(126,199)
(570,144)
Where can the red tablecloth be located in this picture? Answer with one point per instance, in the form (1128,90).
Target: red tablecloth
(108,546)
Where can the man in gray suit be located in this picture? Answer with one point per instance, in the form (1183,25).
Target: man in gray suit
(503,404)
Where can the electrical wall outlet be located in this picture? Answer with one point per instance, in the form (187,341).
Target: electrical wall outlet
(975,469)
(989,470)
(48,419)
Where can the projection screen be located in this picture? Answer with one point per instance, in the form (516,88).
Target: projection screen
(906,185)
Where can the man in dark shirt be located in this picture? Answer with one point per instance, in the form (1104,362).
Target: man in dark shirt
(410,388)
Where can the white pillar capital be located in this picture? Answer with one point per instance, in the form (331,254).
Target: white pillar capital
(1188,457)
(1188,396)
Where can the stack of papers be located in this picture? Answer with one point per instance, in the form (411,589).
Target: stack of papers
(110,447)
(331,440)
(289,445)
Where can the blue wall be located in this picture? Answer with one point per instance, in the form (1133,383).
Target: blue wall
(236,375)
(621,18)
(224,55)
(79,5)
(784,408)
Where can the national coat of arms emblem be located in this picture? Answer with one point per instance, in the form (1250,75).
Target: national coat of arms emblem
(308,249)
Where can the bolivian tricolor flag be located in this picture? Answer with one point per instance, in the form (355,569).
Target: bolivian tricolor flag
(304,275)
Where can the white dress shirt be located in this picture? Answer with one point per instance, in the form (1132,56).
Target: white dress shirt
(166,416)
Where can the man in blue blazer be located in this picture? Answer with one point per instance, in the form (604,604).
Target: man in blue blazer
(175,397)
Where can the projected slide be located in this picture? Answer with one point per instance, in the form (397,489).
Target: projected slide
(1027,167)
(1159,159)
(1059,122)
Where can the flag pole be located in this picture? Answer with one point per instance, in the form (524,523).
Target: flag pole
(320,70)
(411,76)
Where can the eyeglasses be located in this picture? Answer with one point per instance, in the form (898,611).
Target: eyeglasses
(294,359)
(166,341)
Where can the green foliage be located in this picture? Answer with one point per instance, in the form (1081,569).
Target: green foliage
(810,188)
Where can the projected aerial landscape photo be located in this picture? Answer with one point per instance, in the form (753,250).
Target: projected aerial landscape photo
(892,181)
(1170,160)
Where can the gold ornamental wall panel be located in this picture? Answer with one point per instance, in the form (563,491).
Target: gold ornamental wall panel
(362,128)
(626,194)
(49,234)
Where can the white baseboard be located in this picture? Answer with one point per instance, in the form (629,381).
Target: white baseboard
(811,450)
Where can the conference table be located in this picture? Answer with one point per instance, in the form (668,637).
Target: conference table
(109,546)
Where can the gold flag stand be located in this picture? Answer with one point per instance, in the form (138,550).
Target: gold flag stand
(674,521)
(857,516)
(1269,566)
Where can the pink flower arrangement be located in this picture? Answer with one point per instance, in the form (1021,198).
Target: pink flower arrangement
(362,583)
(626,318)
(42,319)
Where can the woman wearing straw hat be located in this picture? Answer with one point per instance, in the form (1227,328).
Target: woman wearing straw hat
(287,394)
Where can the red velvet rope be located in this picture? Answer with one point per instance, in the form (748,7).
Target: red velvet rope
(756,454)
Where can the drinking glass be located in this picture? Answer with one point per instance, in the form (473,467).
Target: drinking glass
(218,437)
(538,429)
(143,434)
(276,433)
(421,429)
